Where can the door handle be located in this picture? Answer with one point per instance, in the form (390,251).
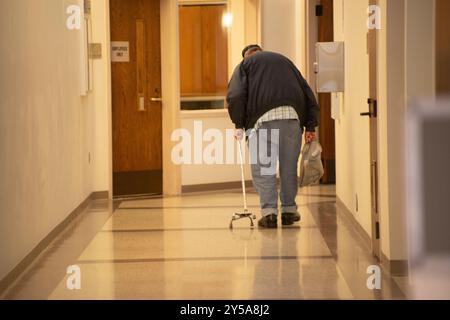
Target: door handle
(373,109)
(155,99)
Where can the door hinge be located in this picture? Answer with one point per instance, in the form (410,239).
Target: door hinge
(377,230)
(87,7)
(319,10)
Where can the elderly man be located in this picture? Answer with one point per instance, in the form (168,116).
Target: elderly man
(270,102)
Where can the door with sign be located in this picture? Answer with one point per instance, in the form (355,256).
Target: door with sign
(136,97)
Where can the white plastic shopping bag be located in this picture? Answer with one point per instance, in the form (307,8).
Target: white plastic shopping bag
(311,167)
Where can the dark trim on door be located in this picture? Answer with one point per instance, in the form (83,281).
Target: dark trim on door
(137,183)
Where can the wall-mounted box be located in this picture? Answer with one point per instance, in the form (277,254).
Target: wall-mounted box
(330,67)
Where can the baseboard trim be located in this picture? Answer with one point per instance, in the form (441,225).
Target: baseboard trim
(99,195)
(393,267)
(215,186)
(397,268)
(365,237)
(26,262)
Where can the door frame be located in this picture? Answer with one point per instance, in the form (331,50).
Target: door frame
(372,101)
(170,79)
(312,35)
(326,130)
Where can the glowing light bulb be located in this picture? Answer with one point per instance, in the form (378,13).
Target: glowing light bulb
(227,20)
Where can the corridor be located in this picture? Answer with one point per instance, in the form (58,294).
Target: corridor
(181,248)
(129,130)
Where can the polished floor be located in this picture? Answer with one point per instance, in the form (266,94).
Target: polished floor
(182,248)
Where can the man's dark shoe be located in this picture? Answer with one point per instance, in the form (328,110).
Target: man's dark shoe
(289,218)
(269,221)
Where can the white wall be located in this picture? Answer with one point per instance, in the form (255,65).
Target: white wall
(193,174)
(352,130)
(46,128)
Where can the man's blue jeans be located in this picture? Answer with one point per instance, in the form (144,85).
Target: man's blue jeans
(276,141)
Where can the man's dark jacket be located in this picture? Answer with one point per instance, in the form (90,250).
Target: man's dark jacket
(265,81)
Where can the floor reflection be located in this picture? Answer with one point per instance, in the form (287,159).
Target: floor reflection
(282,276)
(182,248)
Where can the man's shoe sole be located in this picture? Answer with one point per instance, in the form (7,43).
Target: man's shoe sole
(268,224)
(288,219)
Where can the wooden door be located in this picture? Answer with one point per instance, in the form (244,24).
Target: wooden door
(136,92)
(203,50)
(326,128)
(442,47)
(372,113)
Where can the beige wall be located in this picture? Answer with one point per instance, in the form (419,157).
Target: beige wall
(245,29)
(47,128)
(405,72)
(284,29)
(352,130)
(391,94)
(252,21)
(237,40)
(278,27)
(102,149)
